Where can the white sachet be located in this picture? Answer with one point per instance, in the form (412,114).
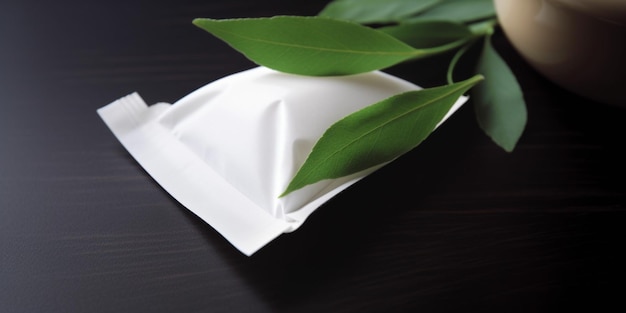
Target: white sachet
(229,149)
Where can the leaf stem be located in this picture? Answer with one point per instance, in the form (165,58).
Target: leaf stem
(484,28)
(479,30)
(442,48)
(455,59)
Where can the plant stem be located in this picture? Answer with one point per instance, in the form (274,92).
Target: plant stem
(484,28)
(479,30)
(455,60)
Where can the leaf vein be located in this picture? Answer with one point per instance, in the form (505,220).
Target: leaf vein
(412,52)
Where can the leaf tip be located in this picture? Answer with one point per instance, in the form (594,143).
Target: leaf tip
(200,21)
(509,148)
(478,77)
(286,192)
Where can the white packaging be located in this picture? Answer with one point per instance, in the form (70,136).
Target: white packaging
(229,149)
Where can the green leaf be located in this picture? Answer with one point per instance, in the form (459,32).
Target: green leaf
(461,11)
(499,101)
(429,34)
(375,11)
(312,46)
(378,133)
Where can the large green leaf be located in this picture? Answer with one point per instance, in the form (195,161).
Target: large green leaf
(429,34)
(458,10)
(499,101)
(375,11)
(313,46)
(378,133)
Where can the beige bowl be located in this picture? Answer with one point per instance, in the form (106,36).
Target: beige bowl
(578,44)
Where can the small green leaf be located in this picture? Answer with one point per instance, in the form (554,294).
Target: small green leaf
(499,101)
(429,34)
(312,46)
(378,133)
(461,11)
(375,11)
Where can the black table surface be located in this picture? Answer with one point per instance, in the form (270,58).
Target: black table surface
(455,225)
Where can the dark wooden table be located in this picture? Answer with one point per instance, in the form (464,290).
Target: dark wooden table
(457,225)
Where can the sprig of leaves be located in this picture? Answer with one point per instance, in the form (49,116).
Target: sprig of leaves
(356,36)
